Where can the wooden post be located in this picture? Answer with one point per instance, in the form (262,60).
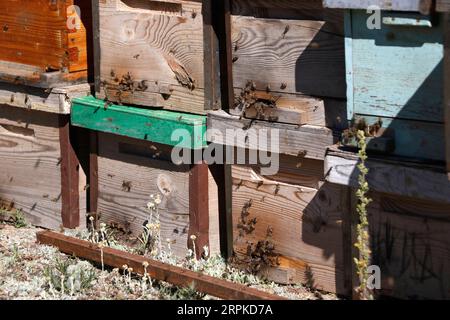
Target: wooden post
(222,175)
(70,167)
(199,208)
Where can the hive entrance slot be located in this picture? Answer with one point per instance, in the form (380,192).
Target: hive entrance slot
(163,7)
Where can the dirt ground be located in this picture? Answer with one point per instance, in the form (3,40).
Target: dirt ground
(32,271)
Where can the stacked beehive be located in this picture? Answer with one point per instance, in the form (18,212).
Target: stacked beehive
(43,65)
(155,75)
(286,77)
(395,78)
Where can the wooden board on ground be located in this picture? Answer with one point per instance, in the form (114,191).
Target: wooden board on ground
(306,224)
(159,53)
(155,269)
(45,43)
(39,175)
(131,170)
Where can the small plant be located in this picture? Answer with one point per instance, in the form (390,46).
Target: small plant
(18,219)
(150,239)
(69,276)
(362,244)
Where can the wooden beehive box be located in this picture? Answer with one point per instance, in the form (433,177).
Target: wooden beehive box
(130,163)
(305,216)
(45,43)
(41,174)
(288,57)
(158,54)
(395,76)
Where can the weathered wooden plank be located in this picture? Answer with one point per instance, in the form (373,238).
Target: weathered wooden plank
(297,52)
(199,208)
(130,170)
(414,90)
(70,176)
(32,161)
(423,6)
(285,108)
(415,180)
(57,100)
(410,244)
(306,224)
(47,37)
(146,124)
(310,141)
(443,6)
(166,49)
(156,270)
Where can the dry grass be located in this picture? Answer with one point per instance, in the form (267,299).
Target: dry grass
(25,267)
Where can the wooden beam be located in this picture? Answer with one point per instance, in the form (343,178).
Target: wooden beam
(157,270)
(139,123)
(443,6)
(308,141)
(70,168)
(57,100)
(390,175)
(198,208)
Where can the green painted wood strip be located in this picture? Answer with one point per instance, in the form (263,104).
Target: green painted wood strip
(160,126)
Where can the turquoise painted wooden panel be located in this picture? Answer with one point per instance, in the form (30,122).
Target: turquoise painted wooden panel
(158,126)
(397,70)
(395,74)
(414,139)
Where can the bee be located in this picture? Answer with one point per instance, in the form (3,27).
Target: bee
(286,30)
(126,186)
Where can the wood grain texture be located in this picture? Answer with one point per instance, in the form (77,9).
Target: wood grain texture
(310,141)
(57,100)
(70,176)
(162,47)
(199,208)
(128,177)
(36,33)
(415,180)
(443,6)
(306,222)
(410,243)
(31,165)
(288,46)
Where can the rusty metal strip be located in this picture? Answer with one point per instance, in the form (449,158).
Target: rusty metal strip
(157,270)
(70,178)
(199,207)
